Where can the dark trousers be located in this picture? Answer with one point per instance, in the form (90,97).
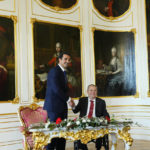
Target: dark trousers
(78,145)
(57,143)
(99,143)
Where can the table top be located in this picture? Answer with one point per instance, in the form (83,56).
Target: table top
(113,127)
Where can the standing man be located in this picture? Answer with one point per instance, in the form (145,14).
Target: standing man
(57,97)
(91,106)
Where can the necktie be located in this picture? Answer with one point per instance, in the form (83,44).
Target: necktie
(65,74)
(91,109)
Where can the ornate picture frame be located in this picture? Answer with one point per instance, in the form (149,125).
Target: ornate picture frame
(115,67)
(49,41)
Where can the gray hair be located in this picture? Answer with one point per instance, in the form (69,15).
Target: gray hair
(91,85)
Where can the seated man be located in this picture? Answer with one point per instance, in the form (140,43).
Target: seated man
(91,106)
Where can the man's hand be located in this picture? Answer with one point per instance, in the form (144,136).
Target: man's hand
(71,103)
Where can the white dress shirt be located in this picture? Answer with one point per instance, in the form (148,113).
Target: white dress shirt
(61,68)
(88,107)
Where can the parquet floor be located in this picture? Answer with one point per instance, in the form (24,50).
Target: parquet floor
(137,145)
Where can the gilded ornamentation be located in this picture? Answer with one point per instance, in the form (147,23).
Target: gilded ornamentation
(14,18)
(32,20)
(35,21)
(40,140)
(15,100)
(137,95)
(57,5)
(84,135)
(36,100)
(57,8)
(80,27)
(111,18)
(9,59)
(148,93)
(93,29)
(31,106)
(133,30)
(109,11)
(124,135)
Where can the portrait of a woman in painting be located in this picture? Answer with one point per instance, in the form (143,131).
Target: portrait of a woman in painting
(112,8)
(115,63)
(7,61)
(114,70)
(56,39)
(60,3)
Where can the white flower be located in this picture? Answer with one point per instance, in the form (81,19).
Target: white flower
(83,120)
(78,122)
(68,124)
(100,120)
(88,120)
(47,124)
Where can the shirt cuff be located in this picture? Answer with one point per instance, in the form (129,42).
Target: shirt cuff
(69,99)
(73,108)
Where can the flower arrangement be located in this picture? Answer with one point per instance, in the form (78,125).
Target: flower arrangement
(78,123)
(85,123)
(82,123)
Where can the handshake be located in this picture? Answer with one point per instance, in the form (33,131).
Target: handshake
(72,103)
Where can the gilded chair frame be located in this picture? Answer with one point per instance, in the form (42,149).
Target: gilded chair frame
(32,106)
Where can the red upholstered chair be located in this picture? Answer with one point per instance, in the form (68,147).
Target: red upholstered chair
(29,115)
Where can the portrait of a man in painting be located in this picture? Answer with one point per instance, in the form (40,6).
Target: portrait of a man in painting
(60,3)
(112,8)
(49,41)
(115,63)
(7,60)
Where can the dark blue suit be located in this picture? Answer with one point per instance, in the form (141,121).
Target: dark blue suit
(56,98)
